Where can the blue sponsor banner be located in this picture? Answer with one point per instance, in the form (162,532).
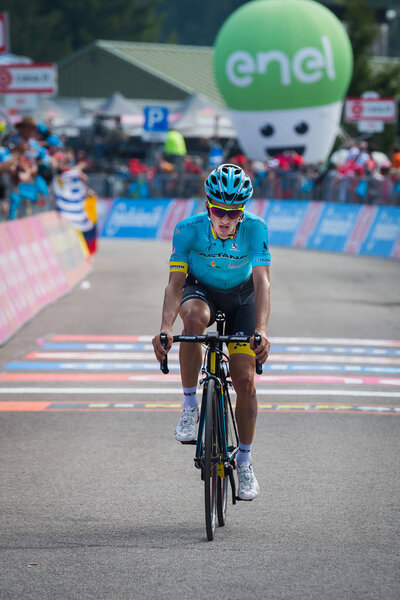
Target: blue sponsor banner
(383,234)
(284,218)
(332,230)
(135,218)
(334,227)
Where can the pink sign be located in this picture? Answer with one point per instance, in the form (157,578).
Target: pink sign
(17,301)
(43,226)
(41,258)
(22,239)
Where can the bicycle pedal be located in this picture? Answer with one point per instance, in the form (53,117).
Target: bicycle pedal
(190,442)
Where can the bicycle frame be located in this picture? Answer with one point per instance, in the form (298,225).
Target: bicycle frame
(214,367)
(214,457)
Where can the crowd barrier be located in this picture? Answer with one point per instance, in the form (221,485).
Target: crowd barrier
(41,259)
(351,228)
(276,184)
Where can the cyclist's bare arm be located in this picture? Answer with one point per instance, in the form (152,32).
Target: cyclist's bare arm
(170,310)
(262,286)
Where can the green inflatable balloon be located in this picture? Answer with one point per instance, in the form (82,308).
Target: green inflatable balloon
(284,60)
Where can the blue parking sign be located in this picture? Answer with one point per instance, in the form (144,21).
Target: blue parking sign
(155,119)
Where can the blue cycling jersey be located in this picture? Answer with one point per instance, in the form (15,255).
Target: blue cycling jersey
(221,264)
(5,154)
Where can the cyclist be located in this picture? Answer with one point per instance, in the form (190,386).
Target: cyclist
(220,260)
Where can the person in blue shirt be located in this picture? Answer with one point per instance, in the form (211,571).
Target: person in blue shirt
(220,260)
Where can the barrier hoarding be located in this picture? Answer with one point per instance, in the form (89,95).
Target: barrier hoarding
(41,259)
(350,228)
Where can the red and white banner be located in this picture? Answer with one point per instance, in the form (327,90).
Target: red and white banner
(370,109)
(36,78)
(4,37)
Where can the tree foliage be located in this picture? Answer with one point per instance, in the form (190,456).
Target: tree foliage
(362,32)
(49,30)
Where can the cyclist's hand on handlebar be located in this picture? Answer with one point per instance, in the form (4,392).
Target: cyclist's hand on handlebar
(262,350)
(159,351)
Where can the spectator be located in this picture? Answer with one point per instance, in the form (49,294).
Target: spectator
(363,156)
(352,150)
(396,157)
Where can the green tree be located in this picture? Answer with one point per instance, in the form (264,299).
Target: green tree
(197,23)
(48,30)
(362,32)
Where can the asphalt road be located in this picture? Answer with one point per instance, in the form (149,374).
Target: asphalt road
(98,501)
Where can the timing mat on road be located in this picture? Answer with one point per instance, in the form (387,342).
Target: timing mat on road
(331,368)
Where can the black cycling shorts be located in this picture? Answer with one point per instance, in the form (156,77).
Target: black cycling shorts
(237,304)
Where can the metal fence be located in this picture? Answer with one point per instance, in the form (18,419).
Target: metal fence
(329,186)
(280,185)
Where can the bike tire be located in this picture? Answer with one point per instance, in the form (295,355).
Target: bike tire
(223,482)
(210,466)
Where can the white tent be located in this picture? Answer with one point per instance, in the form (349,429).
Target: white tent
(117,106)
(200,117)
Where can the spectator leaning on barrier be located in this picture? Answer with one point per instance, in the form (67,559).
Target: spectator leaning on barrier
(33,172)
(8,164)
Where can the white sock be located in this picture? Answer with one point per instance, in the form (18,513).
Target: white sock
(189,397)
(243,457)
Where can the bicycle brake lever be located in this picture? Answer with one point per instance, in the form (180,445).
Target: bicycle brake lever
(257,342)
(164,363)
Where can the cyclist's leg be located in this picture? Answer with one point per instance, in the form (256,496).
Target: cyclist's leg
(242,372)
(197,312)
(195,315)
(242,368)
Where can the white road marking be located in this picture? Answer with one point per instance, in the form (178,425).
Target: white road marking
(149,357)
(163,391)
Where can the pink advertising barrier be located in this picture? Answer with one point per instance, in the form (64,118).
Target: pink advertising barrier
(41,259)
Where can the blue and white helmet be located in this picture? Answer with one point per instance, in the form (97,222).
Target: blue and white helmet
(229,184)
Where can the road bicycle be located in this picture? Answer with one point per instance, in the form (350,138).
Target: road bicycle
(217,440)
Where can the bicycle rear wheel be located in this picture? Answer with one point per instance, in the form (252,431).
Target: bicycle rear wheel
(210,464)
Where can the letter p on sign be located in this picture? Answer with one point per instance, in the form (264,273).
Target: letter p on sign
(156,119)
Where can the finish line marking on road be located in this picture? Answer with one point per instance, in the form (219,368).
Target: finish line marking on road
(174,366)
(174,377)
(176,407)
(174,391)
(142,347)
(149,356)
(319,363)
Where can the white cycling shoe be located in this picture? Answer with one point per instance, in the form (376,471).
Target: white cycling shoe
(186,428)
(248,484)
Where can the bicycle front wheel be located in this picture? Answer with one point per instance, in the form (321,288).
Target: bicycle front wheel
(222,483)
(210,460)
